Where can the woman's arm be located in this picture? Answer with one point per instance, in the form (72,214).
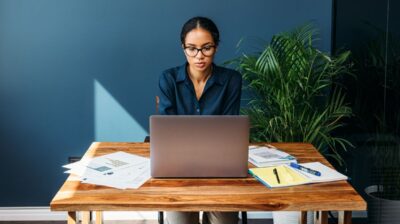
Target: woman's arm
(166,93)
(234,92)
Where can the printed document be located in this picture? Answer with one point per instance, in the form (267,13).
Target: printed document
(119,170)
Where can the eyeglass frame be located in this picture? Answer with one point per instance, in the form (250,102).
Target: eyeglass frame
(200,50)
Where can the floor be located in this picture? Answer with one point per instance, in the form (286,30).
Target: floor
(116,222)
(254,221)
(251,221)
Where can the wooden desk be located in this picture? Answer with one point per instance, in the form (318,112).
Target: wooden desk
(225,194)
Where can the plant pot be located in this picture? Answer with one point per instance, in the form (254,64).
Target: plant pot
(291,217)
(381,211)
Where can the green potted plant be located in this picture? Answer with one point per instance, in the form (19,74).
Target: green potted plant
(294,93)
(295,96)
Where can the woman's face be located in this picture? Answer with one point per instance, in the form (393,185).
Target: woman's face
(199,38)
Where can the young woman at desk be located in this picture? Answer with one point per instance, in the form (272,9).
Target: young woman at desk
(199,87)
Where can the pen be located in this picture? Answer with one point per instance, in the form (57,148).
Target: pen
(277,176)
(305,169)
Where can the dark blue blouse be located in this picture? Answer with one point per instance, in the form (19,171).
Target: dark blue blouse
(221,95)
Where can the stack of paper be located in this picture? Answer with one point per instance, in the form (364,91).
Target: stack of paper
(119,170)
(264,156)
(288,176)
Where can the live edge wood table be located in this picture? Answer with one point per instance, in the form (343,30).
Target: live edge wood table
(214,194)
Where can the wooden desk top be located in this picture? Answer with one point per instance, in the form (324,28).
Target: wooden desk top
(227,194)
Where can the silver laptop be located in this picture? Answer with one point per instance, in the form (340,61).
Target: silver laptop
(199,146)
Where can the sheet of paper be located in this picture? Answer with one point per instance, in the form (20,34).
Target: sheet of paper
(119,170)
(266,154)
(327,173)
(80,163)
(130,177)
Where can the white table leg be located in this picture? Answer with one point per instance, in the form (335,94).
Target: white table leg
(99,217)
(71,219)
(320,217)
(85,217)
(344,217)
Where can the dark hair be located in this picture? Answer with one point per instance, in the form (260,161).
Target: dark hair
(200,22)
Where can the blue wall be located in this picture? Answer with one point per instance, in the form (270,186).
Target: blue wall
(73,72)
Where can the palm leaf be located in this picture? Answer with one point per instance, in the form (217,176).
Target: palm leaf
(295,98)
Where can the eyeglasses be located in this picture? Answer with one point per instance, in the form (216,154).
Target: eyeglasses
(206,51)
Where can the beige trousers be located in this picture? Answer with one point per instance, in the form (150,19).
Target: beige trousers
(208,217)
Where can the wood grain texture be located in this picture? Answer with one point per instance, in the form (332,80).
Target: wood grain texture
(215,194)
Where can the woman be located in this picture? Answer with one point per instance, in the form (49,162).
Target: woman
(199,87)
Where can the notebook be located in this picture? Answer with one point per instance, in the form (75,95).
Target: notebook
(289,176)
(199,146)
